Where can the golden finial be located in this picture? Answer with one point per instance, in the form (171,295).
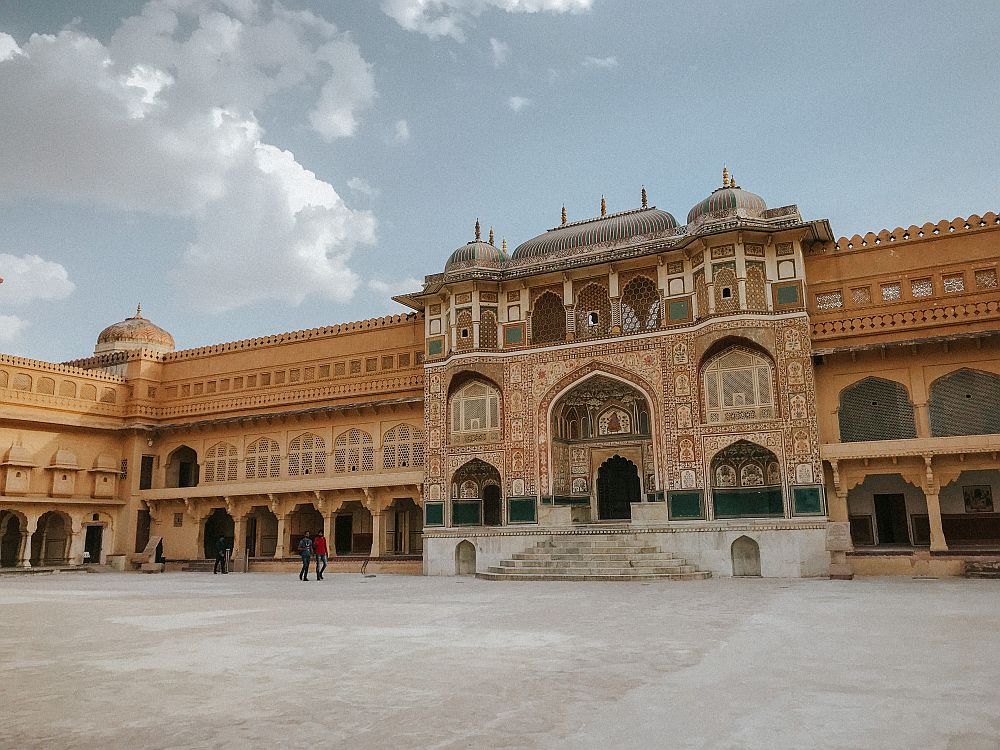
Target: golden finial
(504,241)
(725,176)
(732,182)
(604,207)
(138,310)
(478,231)
(644,204)
(491,235)
(564,214)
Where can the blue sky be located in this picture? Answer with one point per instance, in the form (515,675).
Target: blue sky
(243,167)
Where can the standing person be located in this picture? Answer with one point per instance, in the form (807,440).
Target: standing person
(320,550)
(220,555)
(305,550)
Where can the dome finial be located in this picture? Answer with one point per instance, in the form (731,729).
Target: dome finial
(644,202)
(564,213)
(604,207)
(478,231)
(504,248)
(138,311)
(725,176)
(732,181)
(491,235)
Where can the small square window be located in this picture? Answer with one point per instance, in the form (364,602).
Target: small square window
(435,327)
(513,312)
(954,283)
(727,292)
(371,364)
(891,292)
(921,287)
(178,519)
(829,301)
(676,287)
(251,381)
(464,333)
(986,278)
(786,269)
(265,378)
(593,318)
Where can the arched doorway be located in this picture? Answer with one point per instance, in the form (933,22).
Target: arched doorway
(617,488)
(50,542)
(746,482)
(597,418)
(218,524)
(476,498)
(746,557)
(305,518)
(465,559)
(10,539)
(182,468)
(262,532)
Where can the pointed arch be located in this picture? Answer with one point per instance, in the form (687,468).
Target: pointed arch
(640,305)
(306,455)
(548,319)
(263,459)
(403,447)
(738,385)
(353,451)
(876,409)
(965,402)
(593,312)
(221,463)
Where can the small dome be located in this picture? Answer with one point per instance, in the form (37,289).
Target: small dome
(475,254)
(613,228)
(727,199)
(134,333)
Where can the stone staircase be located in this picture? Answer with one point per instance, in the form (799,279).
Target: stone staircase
(599,557)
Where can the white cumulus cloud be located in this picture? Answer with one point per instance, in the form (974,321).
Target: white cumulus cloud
(27,278)
(449,18)
(162,118)
(401,131)
(501,51)
(11,328)
(600,62)
(361,185)
(517,103)
(8,47)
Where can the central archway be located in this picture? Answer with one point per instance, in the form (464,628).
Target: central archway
(617,488)
(218,524)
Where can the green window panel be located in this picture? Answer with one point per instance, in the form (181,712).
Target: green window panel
(679,310)
(807,501)
(466,513)
(570,500)
(434,514)
(748,503)
(513,335)
(521,510)
(685,505)
(788,295)
(435,347)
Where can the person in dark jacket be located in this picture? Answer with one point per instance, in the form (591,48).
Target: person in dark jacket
(320,550)
(220,555)
(305,551)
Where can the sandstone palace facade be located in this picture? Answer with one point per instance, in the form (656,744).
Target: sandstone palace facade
(743,390)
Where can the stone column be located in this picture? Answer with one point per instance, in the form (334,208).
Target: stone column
(24,553)
(239,541)
(78,539)
(378,531)
(938,542)
(281,548)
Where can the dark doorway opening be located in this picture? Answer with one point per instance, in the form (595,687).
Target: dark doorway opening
(343,528)
(492,515)
(92,544)
(617,488)
(890,519)
(251,539)
(218,524)
(142,522)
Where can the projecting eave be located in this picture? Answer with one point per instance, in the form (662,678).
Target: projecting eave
(409,300)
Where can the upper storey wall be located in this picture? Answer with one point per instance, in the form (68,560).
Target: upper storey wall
(905,284)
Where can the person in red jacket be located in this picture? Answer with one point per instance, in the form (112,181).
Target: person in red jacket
(320,550)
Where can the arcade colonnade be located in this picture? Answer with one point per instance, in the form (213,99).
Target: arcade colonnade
(36,535)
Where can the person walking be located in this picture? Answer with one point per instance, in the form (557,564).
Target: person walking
(305,551)
(220,555)
(320,550)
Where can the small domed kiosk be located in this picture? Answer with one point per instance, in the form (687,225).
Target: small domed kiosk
(132,334)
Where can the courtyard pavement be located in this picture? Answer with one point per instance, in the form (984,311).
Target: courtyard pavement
(192,660)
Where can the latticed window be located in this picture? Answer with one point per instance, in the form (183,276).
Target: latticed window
(593,312)
(861,295)
(876,409)
(475,408)
(986,278)
(640,305)
(954,283)
(263,460)
(891,292)
(756,288)
(403,446)
(738,387)
(488,329)
(727,294)
(353,450)
(746,480)
(829,300)
(701,293)
(220,463)
(921,287)
(966,402)
(463,331)
(306,455)
(548,319)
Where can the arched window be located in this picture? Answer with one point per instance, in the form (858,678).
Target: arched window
(463,331)
(548,320)
(876,409)
(353,450)
(475,409)
(263,459)
(738,386)
(640,306)
(965,402)
(221,463)
(593,312)
(306,455)
(46,385)
(402,447)
(487,329)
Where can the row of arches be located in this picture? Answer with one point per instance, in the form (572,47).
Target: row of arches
(22,381)
(963,402)
(353,451)
(640,311)
(49,543)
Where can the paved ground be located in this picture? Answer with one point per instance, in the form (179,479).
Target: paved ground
(191,660)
